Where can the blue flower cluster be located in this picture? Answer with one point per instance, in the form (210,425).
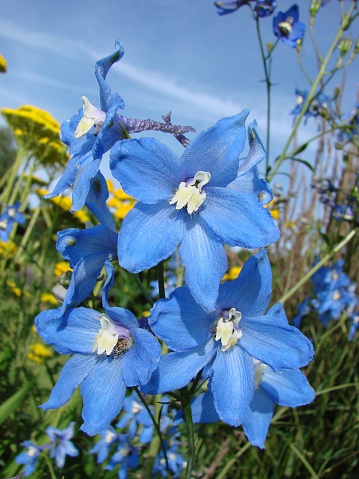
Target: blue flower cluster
(263,8)
(333,295)
(8,218)
(59,447)
(197,204)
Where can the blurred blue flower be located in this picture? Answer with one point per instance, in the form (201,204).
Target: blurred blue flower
(265,8)
(319,106)
(126,456)
(30,457)
(60,445)
(287,27)
(229,6)
(110,352)
(176,461)
(288,387)
(10,216)
(102,448)
(207,198)
(226,339)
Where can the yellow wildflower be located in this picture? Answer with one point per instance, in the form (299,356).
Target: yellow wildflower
(145,314)
(14,289)
(48,298)
(121,202)
(65,203)
(272,210)
(39,353)
(3,64)
(7,247)
(61,267)
(232,273)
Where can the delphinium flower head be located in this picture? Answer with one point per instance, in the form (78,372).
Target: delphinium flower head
(287,27)
(176,461)
(230,6)
(110,352)
(60,445)
(226,340)
(102,448)
(126,457)
(30,457)
(288,387)
(205,199)
(320,106)
(10,216)
(265,8)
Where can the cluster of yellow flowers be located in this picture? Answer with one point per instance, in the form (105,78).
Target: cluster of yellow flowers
(119,200)
(65,203)
(8,247)
(232,273)
(272,209)
(37,132)
(3,64)
(39,353)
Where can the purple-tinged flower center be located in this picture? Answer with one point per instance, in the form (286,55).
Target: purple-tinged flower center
(226,328)
(190,193)
(113,338)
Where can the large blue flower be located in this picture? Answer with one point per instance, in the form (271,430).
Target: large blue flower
(287,27)
(205,199)
(110,351)
(224,341)
(286,388)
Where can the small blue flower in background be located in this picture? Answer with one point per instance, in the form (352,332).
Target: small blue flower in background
(205,199)
(126,456)
(110,352)
(320,105)
(30,457)
(226,339)
(287,388)
(60,445)
(265,8)
(10,216)
(176,461)
(229,6)
(102,448)
(287,27)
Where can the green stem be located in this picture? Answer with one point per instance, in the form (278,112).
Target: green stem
(326,258)
(321,73)
(143,290)
(161,279)
(187,415)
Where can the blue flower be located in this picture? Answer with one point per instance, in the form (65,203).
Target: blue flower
(176,461)
(126,455)
(230,6)
(102,448)
(226,340)
(201,201)
(30,457)
(264,8)
(319,106)
(10,216)
(60,445)
(287,27)
(286,388)
(110,351)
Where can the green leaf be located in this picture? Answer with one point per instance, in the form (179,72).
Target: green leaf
(9,406)
(306,163)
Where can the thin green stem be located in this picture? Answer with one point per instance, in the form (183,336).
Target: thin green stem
(161,279)
(315,268)
(143,290)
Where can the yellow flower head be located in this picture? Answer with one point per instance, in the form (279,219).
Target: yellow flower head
(48,298)
(272,209)
(232,273)
(3,65)
(65,203)
(38,353)
(61,267)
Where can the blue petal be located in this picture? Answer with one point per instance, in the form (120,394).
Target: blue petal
(232,384)
(217,150)
(149,234)
(82,184)
(147,169)
(72,375)
(75,332)
(258,417)
(141,359)
(103,392)
(288,387)
(180,322)
(279,347)
(238,219)
(250,292)
(276,315)
(175,370)
(203,410)
(96,201)
(251,183)
(204,258)
(256,152)
(102,68)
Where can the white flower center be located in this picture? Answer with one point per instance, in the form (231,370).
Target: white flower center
(11,212)
(190,192)
(112,337)
(92,117)
(110,436)
(3,224)
(32,451)
(259,368)
(286,27)
(227,330)
(336,295)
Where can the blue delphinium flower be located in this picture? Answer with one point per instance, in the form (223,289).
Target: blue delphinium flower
(10,216)
(288,387)
(201,201)
(229,6)
(176,461)
(126,456)
(265,8)
(319,106)
(30,457)
(60,445)
(110,351)
(287,27)
(102,448)
(226,339)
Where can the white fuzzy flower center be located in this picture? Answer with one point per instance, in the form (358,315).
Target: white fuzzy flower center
(111,338)
(3,224)
(92,117)
(190,192)
(226,329)
(286,27)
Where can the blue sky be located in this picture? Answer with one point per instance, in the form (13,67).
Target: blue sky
(179,56)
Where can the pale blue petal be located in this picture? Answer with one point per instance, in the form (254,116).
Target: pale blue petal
(103,392)
(180,322)
(75,332)
(251,183)
(204,258)
(82,184)
(238,219)
(276,315)
(96,201)
(232,384)
(256,152)
(217,150)
(141,359)
(72,374)
(258,417)
(147,169)
(149,234)
(279,347)
(102,68)
(250,292)
(203,410)
(288,387)
(175,370)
